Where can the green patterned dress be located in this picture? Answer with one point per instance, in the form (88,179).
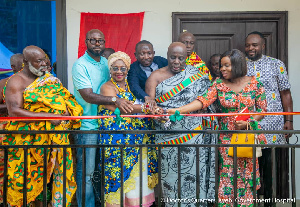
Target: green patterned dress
(251,96)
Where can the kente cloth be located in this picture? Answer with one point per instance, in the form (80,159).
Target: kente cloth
(174,92)
(197,62)
(45,94)
(271,72)
(131,158)
(2,127)
(253,97)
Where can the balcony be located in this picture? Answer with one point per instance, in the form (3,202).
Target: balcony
(161,199)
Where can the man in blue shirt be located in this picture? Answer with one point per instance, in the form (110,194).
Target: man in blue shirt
(89,72)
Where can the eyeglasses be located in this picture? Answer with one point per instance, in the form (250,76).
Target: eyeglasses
(115,69)
(95,41)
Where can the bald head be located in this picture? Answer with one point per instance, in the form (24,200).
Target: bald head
(16,62)
(176,46)
(107,52)
(176,57)
(188,39)
(31,51)
(185,34)
(93,31)
(35,60)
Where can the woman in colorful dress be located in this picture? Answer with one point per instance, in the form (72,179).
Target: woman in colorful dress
(119,64)
(234,91)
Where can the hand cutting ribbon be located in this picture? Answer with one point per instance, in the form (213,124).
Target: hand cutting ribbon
(118,119)
(176,116)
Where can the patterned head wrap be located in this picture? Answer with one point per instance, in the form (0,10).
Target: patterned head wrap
(119,56)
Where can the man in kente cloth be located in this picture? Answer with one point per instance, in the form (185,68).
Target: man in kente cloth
(192,58)
(16,61)
(33,92)
(174,86)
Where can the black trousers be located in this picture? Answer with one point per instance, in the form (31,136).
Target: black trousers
(282,173)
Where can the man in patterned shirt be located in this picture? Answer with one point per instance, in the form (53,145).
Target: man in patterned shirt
(272,73)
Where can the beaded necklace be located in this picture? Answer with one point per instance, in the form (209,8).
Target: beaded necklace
(119,87)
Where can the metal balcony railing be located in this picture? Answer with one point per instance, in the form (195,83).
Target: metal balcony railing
(159,194)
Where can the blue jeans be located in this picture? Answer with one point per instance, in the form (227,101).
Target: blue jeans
(86,139)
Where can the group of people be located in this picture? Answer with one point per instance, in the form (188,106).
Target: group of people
(107,83)
(183,83)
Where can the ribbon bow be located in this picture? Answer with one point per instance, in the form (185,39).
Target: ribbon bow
(118,119)
(176,117)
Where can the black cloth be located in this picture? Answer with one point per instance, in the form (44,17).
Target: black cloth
(281,172)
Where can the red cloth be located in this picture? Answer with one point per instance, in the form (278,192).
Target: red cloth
(121,31)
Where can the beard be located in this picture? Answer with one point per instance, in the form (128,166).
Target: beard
(37,72)
(96,53)
(255,57)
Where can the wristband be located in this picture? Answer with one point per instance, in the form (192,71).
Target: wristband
(289,120)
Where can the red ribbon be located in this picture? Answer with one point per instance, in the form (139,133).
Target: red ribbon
(140,116)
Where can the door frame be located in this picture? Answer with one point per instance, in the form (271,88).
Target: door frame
(61,42)
(281,17)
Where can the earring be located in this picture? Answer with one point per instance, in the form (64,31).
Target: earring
(23,65)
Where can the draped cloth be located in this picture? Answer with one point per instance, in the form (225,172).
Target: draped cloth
(197,62)
(112,25)
(45,94)
(174,92)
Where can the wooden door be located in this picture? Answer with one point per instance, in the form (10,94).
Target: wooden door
(218,32)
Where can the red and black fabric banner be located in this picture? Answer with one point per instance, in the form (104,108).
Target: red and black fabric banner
(121,31)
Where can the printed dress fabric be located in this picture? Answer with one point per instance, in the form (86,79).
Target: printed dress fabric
(131,159)
(272,74)
(45,94)
(174,92)
(251,96)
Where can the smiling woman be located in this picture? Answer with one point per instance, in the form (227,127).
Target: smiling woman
(234,91)
(119,64)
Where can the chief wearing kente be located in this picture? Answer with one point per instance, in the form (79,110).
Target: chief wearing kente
(33,92)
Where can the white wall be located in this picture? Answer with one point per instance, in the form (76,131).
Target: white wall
(158,28)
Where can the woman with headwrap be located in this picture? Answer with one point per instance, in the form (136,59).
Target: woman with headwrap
(119,64)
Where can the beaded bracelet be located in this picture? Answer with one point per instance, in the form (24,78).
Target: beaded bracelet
(145,108)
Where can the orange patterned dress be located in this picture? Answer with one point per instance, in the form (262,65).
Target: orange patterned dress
(251,96)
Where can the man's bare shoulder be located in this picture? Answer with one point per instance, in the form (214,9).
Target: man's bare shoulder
(3,82)
(161,71)
(158,72)
(16,81)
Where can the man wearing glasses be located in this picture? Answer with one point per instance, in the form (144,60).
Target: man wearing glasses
(89,72)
